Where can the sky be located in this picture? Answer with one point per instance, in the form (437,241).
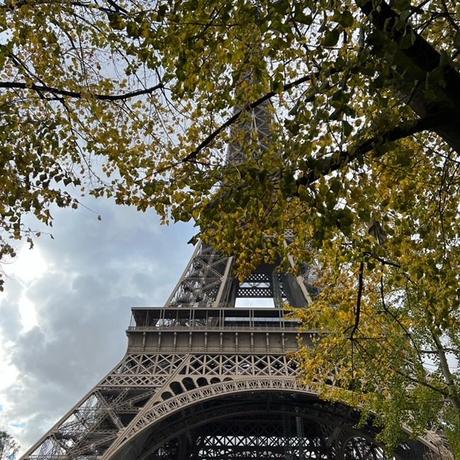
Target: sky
(67,304)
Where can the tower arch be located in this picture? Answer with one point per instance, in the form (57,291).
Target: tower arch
(254,418)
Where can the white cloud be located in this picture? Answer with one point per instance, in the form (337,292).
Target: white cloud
(28,313)
(27,266)
(67,304)
(8,372)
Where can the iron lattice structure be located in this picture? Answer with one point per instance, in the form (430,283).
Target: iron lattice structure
(207,378)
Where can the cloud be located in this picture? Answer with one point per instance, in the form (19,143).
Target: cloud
(10,318)
(95,271)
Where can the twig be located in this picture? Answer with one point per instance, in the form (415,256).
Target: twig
(358,300)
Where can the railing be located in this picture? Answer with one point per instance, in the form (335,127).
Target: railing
(209,328)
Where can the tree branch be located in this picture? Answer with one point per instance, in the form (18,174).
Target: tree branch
(382,260)
(444,365)
(11,6)
(396,319)
(324,166)
(117,7)
(425,58)
(358,300)
(79,95)
(406,376)
(208,140)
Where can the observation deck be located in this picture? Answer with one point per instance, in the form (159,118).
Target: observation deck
(201,329)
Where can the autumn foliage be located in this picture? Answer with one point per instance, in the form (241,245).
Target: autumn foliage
(137,100)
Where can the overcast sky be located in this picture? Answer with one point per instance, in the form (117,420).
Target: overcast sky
(67,304)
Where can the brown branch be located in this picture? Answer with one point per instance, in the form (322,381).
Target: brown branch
(11,6)
(324,166)
(420,55)
(208,140)
(382,260)
(79,95)
(358,300)
(435,352)
(396,319)
(448,377)
(389,263)
(404,375)
(117,7)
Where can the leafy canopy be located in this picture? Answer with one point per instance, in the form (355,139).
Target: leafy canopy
(136,100)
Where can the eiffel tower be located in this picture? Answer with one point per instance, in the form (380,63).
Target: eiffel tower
(207,376)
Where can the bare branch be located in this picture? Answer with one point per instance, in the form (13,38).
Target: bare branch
(358,300)
(396,319)
(78,95)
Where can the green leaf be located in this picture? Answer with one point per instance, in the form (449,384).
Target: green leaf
(401,5)
(162,10)
(457,40)
(303,18)
(331,37)
(345,19)
(133,29)
(346,128)
(276,86)
(281,6)
(116,21)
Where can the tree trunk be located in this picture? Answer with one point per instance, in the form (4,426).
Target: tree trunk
(422,59)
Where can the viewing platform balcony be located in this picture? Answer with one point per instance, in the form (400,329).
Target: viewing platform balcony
(198,329)
(211,319)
